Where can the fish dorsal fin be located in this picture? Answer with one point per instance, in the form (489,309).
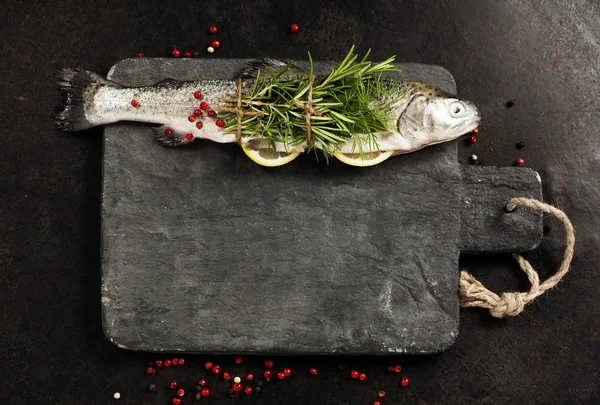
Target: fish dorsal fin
(275,65)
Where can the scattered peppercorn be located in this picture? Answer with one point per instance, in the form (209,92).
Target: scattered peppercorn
(159,363)
(238,360)
(547,229)
(520,162)
(150,370)
(376,403)
(176,53)
(259,382)
(175,401)
(215,44)
(294,28)
(202,382)
(152,387)
(381,394)
(269,364)
(313,371)
(195,54)
(187,55)
(354,374)
(173,385)
(249,377)
(248,390)
(210,49)
(180,392)
(510,103)
(404,381)
(139,55)
(135,103)
(216,369)
(231,392)
(473,159)
(268,374)
(116,395)
(213,29)
(281,375)
(226,376)
(287,372)
(257,390)
(475,131)
(471,139)
(197,388)
(205,392)
(391,369)
(362,376)
(237,387)
(167,363)
(520,145)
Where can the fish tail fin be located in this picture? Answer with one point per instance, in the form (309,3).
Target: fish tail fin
(77,87)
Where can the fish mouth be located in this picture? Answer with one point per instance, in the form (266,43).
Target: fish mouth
(475,124)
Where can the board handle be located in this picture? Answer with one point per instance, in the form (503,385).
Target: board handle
(486,226)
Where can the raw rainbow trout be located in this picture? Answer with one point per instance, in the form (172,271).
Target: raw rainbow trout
(422,115)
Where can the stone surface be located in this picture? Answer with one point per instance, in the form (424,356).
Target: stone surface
(204,251)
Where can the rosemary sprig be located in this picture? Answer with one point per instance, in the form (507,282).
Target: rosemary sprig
(352,103)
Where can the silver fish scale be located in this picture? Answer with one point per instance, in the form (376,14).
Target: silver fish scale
(174,100)
(169,103)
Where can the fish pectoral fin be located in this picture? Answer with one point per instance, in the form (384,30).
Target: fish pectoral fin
(170,137)
(275,65)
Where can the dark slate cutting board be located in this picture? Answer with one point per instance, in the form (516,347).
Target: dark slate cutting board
(205,251)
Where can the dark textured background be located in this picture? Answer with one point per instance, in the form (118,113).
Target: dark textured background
(542,54)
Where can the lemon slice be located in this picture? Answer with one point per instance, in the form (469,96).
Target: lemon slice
(368,158)
(269,157)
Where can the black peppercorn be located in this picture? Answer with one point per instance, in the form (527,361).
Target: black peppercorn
(510,103)
(391,369)
(152,387)
(231,393)
(257,390)
(520,145)
(547,229)
(259,382)
(342,366)
(198,388)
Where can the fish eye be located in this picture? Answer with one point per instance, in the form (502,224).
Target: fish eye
(457,109)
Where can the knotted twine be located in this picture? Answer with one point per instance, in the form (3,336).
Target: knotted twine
(240,113)
(473,293)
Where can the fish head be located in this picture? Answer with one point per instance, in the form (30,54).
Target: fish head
(430,116)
